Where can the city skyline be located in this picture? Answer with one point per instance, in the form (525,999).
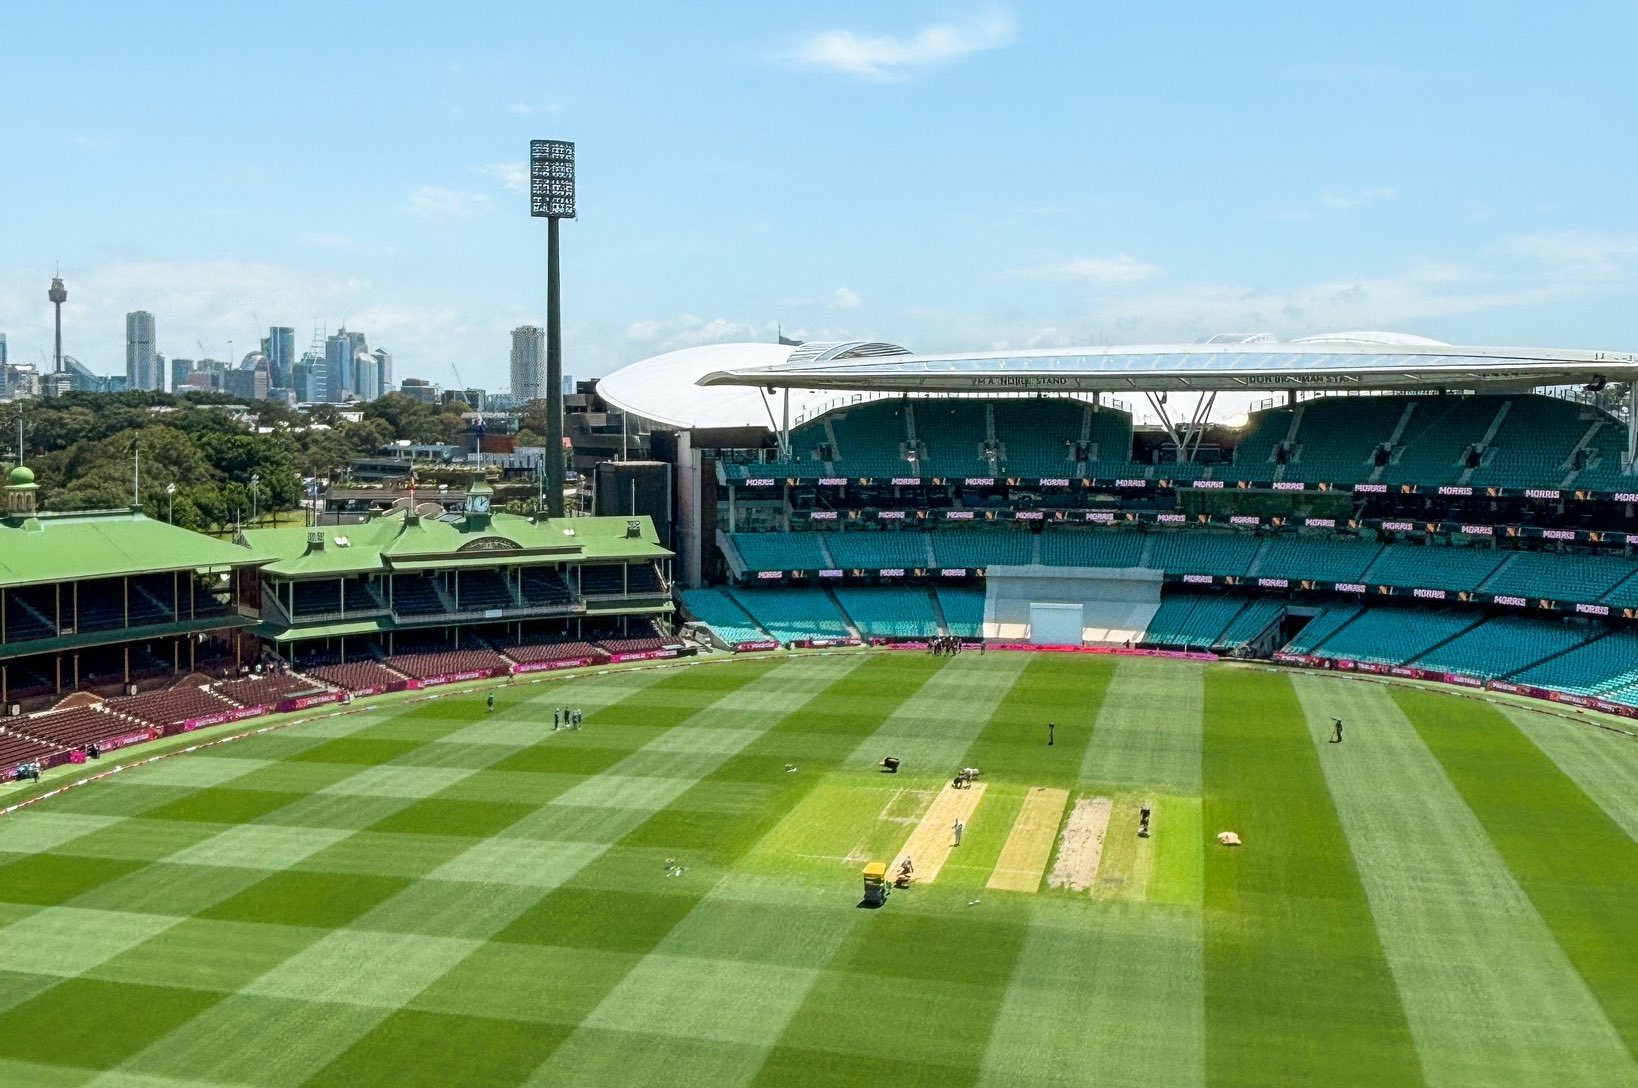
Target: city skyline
(945,176)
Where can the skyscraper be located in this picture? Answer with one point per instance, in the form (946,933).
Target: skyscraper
(341,353)
(2,349)
(180,369)
(280,349)
(141,366)
(528,363)
(383,361)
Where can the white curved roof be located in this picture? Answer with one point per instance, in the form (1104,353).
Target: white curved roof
(665,388)
(1375,339)
(1349,362)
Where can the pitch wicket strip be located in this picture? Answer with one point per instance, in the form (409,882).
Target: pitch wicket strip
(1024,858)
(931,842)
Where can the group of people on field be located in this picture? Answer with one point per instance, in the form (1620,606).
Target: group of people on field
(948,646)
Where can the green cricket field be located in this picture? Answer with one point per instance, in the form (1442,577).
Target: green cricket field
(426,893)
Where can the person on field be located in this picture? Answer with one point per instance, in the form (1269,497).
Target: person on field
(557,719)
(959,828)
(1052,731)
(1336,730)
(489,703)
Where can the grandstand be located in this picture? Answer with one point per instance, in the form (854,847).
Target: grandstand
(455,582)
(111,601)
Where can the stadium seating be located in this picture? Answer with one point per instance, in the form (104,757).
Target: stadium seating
(951,434)
(1037,437)
(890,611)
(1393,636)
(1336,436)
(23,621)
(1319,558)
(1501,646)
(720,612)
(635,645)
(1532,446)
(1558,577)
(357,675)
(480,591)
(1597,667)
(1092,548)
(415,595)
(1192,621)
(428,664)
(875,549)
(1321,627)
(1434,566)
(982,547)
(602,581)
(869,439)
(525,653)
(963,609)
(780,551)
(170,706)
(264,690)
(545,588)
(643,579)
(791,614)
(318,598)
(75,728)
(1440,430)
(15,749)
(1252,620)
(1199,552)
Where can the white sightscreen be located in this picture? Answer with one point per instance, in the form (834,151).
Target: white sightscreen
(1054,624)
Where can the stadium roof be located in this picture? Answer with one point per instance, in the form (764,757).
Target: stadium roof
(73,546)
(667,390)
(1344,362)
(393,542)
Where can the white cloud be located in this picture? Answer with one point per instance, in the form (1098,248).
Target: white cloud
(1581,256)
(885,58)
(433,202)
(513,176)
(1121,269)
(1347,202)
(845,298)
(654,337)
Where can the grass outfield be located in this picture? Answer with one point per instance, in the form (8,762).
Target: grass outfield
(426,894)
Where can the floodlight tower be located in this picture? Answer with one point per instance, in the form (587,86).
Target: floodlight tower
(58,295)
(551,197)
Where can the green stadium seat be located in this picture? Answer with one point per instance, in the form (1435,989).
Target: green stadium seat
(1557,577)
(970,548)
(1255,618)
(1092,547)
(1434,566)
(1203,552)
(1314,557)
(1328,622)
(1601,666)
(780,551)
(719,611)
(1394,636)
(878,548)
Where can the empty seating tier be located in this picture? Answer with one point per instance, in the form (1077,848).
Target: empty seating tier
(1500,646)
(890,611)
(963,610)
(1557,577)
(481,591)
(170,706)
(1434,566)
(1317,558)
(780,551)
(720,612)
(792,614)
(1321,627)
(970,548)
(1394,636)
(357,675)
(1092,548)
(878,549)
(1600,666)
(429,664)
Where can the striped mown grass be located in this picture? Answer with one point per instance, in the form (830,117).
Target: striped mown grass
(426,893)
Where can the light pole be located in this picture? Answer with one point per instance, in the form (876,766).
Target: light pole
(551,197)
(170,504)
(255,479)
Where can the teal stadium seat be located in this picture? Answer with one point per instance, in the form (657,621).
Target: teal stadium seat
(963,608)
(1192,621)
(1092,547)
(780,551)
(878,548)
(1320,558)
(1321,627)
(971,548)
(1439,432)
(720,612)
(1557,577)
(1532,446)
(1255,618)
(951,433)
(1498,647)
(1605,666)
(1038,436)
(792,614)
(890,611)
(1394,636)
(1204,552)
(1434,566)
(1337,436)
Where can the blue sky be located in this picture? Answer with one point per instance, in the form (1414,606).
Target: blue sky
(940,175)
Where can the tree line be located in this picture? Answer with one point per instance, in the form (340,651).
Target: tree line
(83,448)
